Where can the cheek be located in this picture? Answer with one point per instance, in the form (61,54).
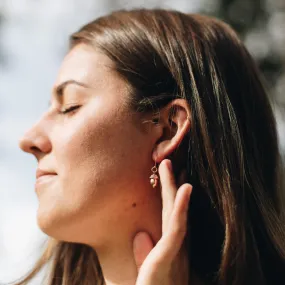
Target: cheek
(100,165)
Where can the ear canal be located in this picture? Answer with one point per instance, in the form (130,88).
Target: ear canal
(155,120)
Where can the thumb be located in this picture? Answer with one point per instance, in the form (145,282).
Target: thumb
(142,246)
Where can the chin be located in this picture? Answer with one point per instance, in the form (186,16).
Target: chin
(60,226)
(51,223)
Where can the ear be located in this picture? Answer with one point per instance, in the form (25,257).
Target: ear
(175,122)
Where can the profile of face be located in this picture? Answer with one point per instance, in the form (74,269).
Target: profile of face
(98,153)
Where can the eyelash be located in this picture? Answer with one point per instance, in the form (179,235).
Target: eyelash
(68,110)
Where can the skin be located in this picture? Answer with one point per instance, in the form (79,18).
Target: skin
(102,156)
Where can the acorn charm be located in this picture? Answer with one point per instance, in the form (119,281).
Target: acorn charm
(153,180)
(153,177)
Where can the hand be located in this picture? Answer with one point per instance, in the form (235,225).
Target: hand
(165,263)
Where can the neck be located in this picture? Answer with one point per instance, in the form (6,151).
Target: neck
(116,255)
(118,264)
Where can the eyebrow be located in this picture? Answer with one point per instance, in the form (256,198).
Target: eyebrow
(58,90)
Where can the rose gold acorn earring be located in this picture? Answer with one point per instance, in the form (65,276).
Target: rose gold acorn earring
(154,178)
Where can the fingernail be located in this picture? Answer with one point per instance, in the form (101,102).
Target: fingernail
(188,200)
(190,192)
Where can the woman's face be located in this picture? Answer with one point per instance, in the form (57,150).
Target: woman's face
(99,153)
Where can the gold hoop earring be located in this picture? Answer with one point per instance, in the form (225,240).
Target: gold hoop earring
(154,178)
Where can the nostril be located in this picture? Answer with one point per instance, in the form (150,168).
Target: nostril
(34,148)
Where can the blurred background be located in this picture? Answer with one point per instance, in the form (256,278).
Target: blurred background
(33,40)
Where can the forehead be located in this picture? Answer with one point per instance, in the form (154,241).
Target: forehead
(84,63)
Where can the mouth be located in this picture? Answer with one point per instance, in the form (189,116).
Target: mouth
(41,172)
(44,179)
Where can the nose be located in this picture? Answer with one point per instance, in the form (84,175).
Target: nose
(35,141)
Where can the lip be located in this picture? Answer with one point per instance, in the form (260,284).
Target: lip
(41,172)
(44,179)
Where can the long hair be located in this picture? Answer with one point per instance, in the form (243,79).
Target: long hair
(236,229)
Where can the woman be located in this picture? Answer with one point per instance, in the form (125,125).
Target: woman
(146,88)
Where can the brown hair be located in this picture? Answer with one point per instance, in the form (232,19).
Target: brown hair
(232,158)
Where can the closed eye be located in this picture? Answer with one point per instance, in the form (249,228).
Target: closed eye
(70,109)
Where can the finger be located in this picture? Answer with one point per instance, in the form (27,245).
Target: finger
(178,219)
(142,245)
(173,238)
(168,191)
